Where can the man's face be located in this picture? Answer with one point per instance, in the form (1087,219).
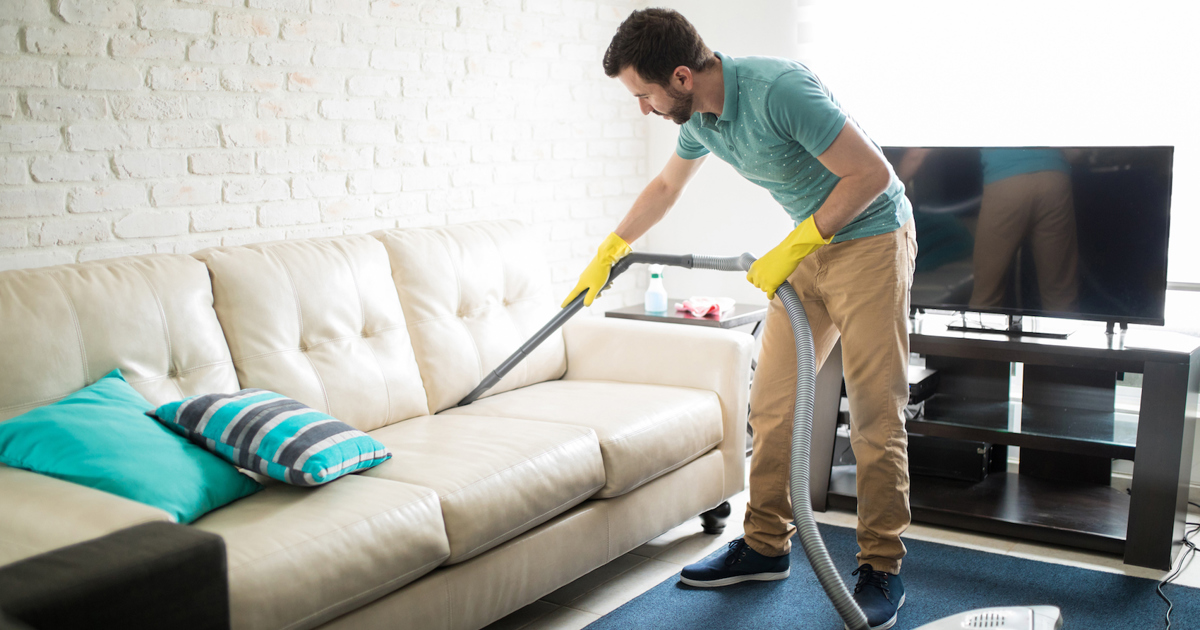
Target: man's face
(667,101)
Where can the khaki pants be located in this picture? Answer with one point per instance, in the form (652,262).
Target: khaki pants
(1039,206)
(858,289)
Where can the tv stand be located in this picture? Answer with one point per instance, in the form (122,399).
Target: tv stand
(1067,427)
(1015,328)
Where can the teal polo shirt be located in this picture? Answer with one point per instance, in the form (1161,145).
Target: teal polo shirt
(777,118)
(1001,164)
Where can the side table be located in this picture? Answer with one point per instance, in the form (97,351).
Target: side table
(740,315)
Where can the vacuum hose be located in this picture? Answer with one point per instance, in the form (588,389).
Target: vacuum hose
(802,419)
(806,524)
(806,377)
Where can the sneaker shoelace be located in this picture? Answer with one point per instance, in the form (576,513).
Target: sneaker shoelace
(869,577)
(737,551)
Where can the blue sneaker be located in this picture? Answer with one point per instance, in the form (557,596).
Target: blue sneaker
(880,595)
(736,563)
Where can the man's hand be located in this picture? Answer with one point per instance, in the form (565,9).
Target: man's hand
(773,269)
(595,275)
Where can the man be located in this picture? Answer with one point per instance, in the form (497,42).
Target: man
(850,259)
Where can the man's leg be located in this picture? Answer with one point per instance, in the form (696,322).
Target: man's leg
(1004,218)
(768,522)
(763,553)
(1055,244)
(865,284)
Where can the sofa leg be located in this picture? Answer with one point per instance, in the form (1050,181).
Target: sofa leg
(714,519)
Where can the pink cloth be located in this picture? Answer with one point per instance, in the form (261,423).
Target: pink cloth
(700,305)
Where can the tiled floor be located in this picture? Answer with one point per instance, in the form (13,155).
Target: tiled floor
(607,588)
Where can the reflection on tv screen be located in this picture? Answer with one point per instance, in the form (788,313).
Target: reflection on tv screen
(1076,232)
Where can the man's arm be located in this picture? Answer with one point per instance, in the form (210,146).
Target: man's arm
(658,197)
(864,176)
(651,206)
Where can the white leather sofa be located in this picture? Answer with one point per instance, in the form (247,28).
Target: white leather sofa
(609,434)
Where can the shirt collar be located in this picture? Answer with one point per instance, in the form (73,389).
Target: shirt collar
(729,110)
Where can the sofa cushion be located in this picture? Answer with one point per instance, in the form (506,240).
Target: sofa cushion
(301,556)
(496,477)
(100,437)
(645,430)
(62,328)
(318,320)
(274,436)
(472,294)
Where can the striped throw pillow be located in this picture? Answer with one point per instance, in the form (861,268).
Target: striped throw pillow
(274,435)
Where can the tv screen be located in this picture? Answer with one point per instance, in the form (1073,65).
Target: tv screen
(1071,232)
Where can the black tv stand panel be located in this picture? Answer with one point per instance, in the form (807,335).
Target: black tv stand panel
(1067,428)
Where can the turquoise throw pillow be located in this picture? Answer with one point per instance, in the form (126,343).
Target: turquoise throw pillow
(100,437)
(279,437)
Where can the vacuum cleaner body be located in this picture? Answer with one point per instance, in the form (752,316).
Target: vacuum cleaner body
(1022,617)
(1004,618)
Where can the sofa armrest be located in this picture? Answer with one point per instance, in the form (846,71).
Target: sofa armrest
(42,513)
(608,349)
(155,575)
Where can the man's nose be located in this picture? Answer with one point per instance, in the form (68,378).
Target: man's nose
(645,105)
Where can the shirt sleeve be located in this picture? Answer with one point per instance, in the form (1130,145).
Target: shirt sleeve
(688,147)
(800,108)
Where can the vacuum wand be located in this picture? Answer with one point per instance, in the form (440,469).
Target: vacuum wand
(686,261)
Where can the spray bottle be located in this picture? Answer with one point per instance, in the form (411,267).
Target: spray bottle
(656,295)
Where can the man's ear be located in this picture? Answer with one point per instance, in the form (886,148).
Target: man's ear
(682,78)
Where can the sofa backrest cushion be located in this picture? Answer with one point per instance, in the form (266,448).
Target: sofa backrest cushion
(472,294)
(63,328)
(318,320)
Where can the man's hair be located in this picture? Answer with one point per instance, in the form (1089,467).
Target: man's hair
(655,42)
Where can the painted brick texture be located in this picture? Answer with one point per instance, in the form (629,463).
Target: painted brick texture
(138,126)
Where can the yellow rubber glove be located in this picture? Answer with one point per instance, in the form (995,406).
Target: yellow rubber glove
(773,269)
(595,275)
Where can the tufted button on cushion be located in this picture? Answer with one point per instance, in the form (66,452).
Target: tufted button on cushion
(472,294)
(294,312)
(63,328)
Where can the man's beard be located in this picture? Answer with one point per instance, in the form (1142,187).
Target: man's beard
(681,111)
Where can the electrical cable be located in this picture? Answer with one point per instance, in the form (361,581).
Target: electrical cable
(1186,560)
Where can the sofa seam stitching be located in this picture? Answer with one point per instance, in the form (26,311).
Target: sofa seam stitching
(458,286)
(75,321)
(162,313)
(528,298)
(551,511)
(299,622)
(362,307)
(35,403)
(625,436)
(315,345)
(300,319)
(689,459)
(389,510)
(548,451)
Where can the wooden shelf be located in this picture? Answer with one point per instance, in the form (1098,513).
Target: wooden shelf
(1007,504)
(1111,434)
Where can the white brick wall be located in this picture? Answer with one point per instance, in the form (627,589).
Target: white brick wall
(138,126)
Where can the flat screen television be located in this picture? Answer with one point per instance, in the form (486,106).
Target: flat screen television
(1067,232)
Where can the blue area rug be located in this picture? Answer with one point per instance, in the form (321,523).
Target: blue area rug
(940,580)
